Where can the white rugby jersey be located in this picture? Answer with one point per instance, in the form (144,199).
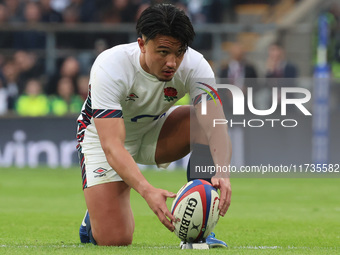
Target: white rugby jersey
(119,87)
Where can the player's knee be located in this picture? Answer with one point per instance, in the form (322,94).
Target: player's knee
(124,240)
(120,241)
(115,235)
(115,239)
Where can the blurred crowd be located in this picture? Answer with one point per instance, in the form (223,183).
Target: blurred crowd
(103,11)
(70,12)
(27,91)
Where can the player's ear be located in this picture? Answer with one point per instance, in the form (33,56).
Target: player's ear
(141,44)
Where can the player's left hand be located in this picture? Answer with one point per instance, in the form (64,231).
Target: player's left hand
(223,184)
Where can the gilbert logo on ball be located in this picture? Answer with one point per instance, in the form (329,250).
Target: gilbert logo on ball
(196,207)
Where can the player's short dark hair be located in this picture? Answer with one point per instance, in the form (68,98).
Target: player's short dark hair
(165,19)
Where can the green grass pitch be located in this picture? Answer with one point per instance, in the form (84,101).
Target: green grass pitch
(41,210)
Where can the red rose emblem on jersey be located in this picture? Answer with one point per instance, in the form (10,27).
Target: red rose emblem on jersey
(170,94)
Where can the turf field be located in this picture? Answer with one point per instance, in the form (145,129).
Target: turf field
(41,210)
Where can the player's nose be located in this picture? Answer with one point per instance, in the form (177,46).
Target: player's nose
(171,61)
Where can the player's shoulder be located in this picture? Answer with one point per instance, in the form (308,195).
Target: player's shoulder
(195,64)
(192,59)
(118,61)
(192,56)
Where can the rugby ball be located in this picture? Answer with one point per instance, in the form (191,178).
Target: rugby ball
(196,208)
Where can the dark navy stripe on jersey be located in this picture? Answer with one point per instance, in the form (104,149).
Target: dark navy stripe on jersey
(98,113)
(198,99)
(86,115)
(83,168)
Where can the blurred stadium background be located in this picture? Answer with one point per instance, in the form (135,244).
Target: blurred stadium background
(47,48)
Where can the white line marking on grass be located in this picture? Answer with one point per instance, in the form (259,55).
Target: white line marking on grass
(270,247)
(42,246)
(257,247)
(82,246)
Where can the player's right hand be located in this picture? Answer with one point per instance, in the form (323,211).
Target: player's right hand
(156,199)
(223,184)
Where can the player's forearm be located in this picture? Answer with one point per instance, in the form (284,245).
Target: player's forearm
(220,146)
(123,163)
(218,138)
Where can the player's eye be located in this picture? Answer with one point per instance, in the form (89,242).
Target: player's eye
(163,52)
(180,52)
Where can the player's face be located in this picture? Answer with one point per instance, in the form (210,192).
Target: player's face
(161,56)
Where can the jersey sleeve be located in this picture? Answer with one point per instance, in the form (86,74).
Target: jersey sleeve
(201,81)
(106,94)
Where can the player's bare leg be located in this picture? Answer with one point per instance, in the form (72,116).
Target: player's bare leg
(175,138)
(110,212)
